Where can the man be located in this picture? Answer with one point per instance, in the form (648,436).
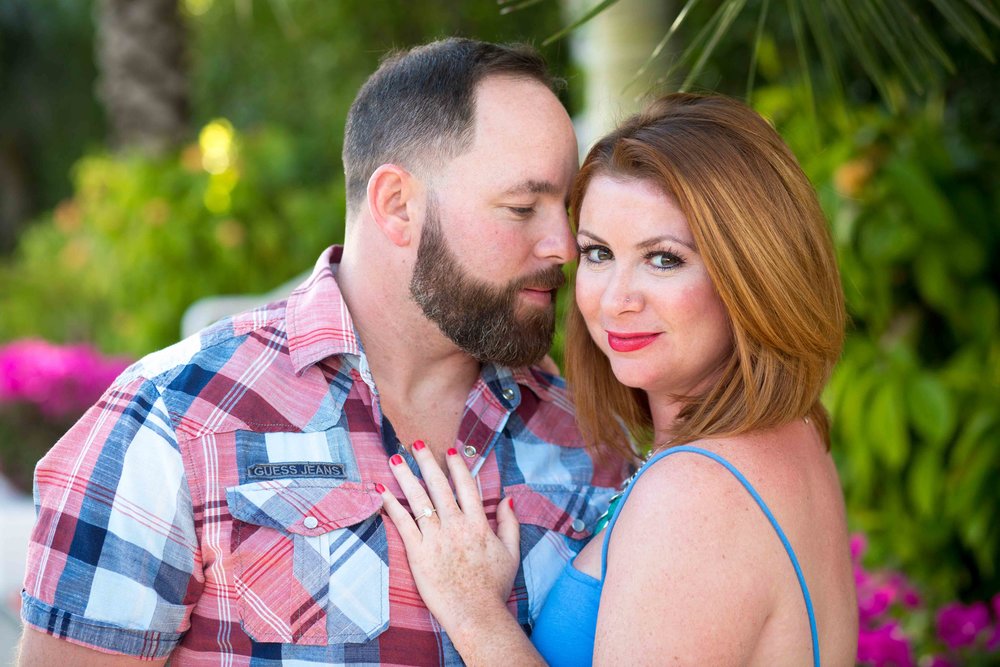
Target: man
(218,505)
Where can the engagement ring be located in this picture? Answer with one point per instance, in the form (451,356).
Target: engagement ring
(425,512)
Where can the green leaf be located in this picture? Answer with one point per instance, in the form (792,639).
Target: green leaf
(887,425)
(965,23)
(927,204)
(924,482)
(859,43)
(800,48)
(931,408)
(521,5)
(758,44)
(859,473)
(934,282)
(696,43)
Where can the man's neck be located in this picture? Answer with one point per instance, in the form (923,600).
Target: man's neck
(423,378)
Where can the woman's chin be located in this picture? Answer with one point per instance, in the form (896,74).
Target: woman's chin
(634,378)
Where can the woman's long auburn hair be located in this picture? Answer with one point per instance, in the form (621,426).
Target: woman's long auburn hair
(759,228)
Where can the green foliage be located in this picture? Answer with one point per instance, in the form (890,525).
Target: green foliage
(143,238)
(299,64)
(914,207)
(42,42)
(894,44)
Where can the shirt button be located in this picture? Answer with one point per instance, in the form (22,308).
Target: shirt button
(310,522)
(470,451)
(508,393)
(579,525)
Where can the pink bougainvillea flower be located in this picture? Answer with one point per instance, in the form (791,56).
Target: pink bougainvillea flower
(903,590)
(959,625)
(59,380)
(859,544)
(885,646)
(874,602)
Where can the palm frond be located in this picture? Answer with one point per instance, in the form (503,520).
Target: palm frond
(758,39)
(988,12)
(798,30)
(589,14)
(889,39)
(965,23)
(730,10)
(658,49)
(513,8)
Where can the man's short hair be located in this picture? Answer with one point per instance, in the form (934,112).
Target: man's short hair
(417,110)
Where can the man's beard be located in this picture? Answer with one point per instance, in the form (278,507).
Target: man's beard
(481,319)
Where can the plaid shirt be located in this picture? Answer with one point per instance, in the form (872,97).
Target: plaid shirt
(217,505)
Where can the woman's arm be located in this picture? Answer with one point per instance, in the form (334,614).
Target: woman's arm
(463,571)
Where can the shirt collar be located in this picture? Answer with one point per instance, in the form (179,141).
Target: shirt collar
(320,326)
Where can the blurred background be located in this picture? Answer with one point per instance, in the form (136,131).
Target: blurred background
(158,153)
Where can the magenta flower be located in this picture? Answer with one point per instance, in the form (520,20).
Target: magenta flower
(859,544)
(874,602)
(885,646)
(60,380)
(959,625)
(903,591)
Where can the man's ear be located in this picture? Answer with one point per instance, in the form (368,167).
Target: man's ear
(390,191)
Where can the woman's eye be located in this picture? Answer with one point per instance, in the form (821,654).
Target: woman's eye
(595,254)
(665,260)
(521,211)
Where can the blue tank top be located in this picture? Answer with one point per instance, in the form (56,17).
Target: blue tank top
(564,631)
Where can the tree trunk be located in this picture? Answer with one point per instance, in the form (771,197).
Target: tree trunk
(610,49)
(143,81)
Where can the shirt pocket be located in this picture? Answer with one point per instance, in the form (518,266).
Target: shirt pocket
(556,522)
(311,561)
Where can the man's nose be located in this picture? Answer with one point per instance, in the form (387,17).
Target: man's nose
(557,244)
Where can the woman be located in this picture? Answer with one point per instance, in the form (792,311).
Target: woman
(708,317)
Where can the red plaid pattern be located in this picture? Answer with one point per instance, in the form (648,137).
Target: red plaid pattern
(218,505)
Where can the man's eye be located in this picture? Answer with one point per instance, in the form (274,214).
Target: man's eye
(521,211)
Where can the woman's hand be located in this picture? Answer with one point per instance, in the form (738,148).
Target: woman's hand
(463,571)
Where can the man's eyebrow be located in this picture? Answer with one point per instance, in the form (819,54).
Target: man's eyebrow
(531,186)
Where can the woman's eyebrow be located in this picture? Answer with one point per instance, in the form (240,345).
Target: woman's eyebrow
(648,243)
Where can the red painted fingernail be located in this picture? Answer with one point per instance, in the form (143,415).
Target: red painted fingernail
(510,501)
(418,445)
(379,488)
(395,459)
(452,451)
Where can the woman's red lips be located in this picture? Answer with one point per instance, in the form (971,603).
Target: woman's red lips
(630,342)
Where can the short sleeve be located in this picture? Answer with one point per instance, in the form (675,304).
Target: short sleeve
(113,561)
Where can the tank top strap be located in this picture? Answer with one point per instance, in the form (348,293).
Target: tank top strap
(760,503)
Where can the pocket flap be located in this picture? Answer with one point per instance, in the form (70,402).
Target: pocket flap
(570,510)
(304,507)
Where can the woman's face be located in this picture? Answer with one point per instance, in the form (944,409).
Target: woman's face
(644,291)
